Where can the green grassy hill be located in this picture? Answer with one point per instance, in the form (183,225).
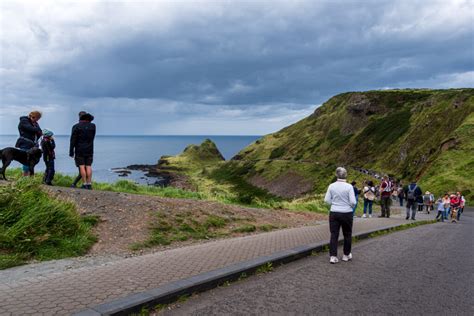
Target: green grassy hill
(412,134)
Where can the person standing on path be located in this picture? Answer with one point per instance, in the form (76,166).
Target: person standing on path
(427,201)
(455,202)
(462,202)
(30,132)
(401,194)
(356,193)
(48,145)
(412,193)
(340,196)
(440,209)
(79,176)
(446,202)
(385,194)
(82,148)
(369,197)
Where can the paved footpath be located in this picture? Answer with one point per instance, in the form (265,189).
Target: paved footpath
(74,290)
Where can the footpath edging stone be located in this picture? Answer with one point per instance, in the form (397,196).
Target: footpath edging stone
(170,292)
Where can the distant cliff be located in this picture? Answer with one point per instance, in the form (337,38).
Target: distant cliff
(426,135)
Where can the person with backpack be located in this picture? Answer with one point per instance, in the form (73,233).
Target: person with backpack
(386,189)
(412,193)
(82,148)
(427,201)
(369,197)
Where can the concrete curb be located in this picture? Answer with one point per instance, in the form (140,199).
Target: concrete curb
(170,292)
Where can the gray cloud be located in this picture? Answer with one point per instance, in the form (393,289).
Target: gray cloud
(226,59)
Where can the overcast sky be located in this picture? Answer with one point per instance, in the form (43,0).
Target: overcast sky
(220,67)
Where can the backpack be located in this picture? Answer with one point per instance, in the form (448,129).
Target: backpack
(426,199)
(388,188)
(369,194)
(411,192)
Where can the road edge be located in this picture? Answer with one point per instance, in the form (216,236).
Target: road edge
(171,292)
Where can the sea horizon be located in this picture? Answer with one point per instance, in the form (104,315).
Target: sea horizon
(112,152)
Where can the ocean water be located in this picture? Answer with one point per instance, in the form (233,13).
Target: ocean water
(120,151)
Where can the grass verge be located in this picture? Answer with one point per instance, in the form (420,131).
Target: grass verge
(35,226)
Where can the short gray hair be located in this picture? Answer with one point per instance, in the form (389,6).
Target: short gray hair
(341,173)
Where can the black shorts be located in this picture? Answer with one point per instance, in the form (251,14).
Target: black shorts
(83,161)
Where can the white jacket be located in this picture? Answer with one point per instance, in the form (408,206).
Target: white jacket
(340,196)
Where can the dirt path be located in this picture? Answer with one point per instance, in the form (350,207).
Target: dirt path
(125,218)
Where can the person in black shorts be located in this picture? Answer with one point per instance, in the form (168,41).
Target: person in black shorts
(82,147)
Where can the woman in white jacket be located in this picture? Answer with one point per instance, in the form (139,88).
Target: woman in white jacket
(340,195)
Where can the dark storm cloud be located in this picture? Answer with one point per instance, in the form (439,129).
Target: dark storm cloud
(221,67)
(262,55)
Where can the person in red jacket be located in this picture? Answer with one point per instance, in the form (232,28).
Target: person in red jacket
(454,203)
(386,188)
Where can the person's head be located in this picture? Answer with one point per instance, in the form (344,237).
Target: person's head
(341,173)
(385,177)
(446,195)
(370,183)
(458,193)
(353,183)
(86,117)
(47,133)
(34,116)
(440,200)
(427,192)
(81,114)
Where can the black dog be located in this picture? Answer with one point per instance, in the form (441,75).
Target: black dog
(29,158)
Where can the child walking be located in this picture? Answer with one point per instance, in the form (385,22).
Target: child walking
(440,204)
(48,145)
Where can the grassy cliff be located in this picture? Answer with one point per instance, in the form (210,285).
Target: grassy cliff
(412,134)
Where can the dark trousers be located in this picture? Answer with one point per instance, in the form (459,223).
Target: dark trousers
(49,172)
(400,198)
(336,221)
(385,204)
(440,214)
(460,210)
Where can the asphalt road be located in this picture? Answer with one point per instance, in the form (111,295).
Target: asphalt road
(427,270)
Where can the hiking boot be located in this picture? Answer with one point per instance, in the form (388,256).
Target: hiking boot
(347,258)
(370,216)
(84,186)
(89,186)
(333,260)
(407,218)
(73,185)
(364,216)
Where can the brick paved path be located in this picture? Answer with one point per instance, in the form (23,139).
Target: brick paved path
(71,291)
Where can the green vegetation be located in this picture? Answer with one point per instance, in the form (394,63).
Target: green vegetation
(195,225)
(35,226)
(419,134)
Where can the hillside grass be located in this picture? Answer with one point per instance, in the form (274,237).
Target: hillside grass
(35,226)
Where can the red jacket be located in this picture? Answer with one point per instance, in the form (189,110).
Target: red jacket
(455,201)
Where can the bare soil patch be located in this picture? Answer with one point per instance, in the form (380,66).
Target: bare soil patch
(287,185)
(125,218)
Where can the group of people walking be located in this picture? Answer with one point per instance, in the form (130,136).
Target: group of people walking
(81,146)
(343,197)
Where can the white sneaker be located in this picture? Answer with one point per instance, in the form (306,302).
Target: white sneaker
(347,258)
(370,216)
(333,260)
(364,216)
